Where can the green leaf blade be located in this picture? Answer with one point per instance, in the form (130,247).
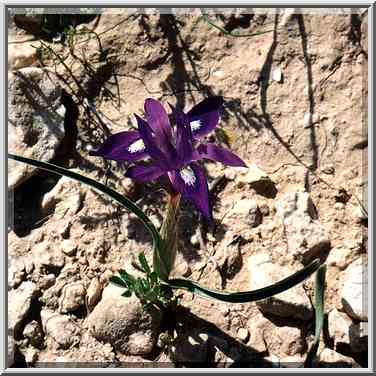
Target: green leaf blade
(117,281)
(144,264)
(246,296)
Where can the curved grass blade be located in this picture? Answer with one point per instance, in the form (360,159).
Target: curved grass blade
(122,200)
(319,314)
(144,264)
(246,296)
(205,16)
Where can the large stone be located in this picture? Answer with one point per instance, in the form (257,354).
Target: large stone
(16,270)
(331,359)
(306,237)
(72,297)
(33,332)
(61,331)
(257,325)
(35,120)
(281,341)
(125,323)
(340,257)
(288,338)
(94,292)
(290,303)
(21,55)
(256,179)
(69,274)
(246,211)
(19,302)
(65,199)
(339,328)
(354,290)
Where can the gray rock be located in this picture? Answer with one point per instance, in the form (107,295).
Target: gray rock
(65,199)
(292,342)
(247,211)
(280,341)
(291,303)
(11,350)
(125,323)
(16,271)
(35,120)
(61,331)
(19,302)
(243,334)
(331,359)
(68,247)
(256,179)
(69,274)
(33,332)
(30,354)
(354,290)
(257,326)
(340,257)
(72,297)
(93,294)
(344,331)
(306,237)
(21,55)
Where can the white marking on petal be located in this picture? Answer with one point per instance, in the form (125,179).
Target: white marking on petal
(136,146)
(195,125)
(188,176)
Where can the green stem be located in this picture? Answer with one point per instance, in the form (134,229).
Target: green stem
(165,259)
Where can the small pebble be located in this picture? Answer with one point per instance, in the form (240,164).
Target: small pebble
(243,334)
(277,75)
(68,247)
(339,206)
(194,240)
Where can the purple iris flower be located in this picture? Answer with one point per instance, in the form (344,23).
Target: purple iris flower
(172,151)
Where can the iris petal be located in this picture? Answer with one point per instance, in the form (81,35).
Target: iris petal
(191,182)
(123,146)
(184,142)
(157,117)
(142,173)
(204,117)
(219,154)
(151,143)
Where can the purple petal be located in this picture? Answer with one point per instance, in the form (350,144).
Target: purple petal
(219,154)
(123,146)
(142,173)
(184,145)
(157,117)
(151,143)
(204,116)
(191,182)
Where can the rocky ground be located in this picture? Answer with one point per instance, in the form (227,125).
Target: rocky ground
(295,111)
